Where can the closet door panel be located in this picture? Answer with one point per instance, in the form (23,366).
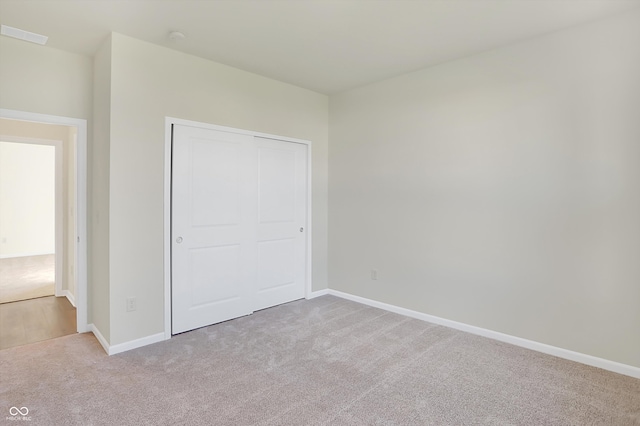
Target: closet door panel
(238,225)
(281,228)
(213,243)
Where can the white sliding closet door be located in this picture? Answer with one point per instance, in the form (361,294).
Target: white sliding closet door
(213,254)
(282,212)
(238,225)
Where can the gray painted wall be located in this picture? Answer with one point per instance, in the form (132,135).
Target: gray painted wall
(501,190)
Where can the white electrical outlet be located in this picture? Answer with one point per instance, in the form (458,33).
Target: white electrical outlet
(374,274)
(131,304)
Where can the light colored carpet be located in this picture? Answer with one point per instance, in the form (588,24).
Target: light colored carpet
(322,361)
(27,277)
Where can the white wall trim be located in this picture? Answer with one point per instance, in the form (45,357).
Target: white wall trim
(168,138)
(126,346)
(105,345)
(169,122)
(593,361)
(200,125)
(80,202)
(309,288)
(70,298)
(318,293)
(137,343)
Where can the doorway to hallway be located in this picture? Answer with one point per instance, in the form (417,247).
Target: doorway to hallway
(29,268)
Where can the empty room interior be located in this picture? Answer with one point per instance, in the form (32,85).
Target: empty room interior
(339,212)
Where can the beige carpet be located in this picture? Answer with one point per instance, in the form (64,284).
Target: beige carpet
(326,361)
(27,277)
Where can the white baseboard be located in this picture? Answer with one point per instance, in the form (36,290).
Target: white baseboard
(105,345)
(593,361)
(126,346)
(318,293)
(69,296)
(9,256)
(133,344)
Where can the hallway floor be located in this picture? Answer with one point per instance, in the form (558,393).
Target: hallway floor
(33,320)
(27,277)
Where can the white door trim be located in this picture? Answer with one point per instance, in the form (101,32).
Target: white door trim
(59,202)
(169,122)
(80,201)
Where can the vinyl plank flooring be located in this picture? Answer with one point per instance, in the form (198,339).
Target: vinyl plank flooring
(34,320)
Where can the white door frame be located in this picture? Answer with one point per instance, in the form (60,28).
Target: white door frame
(80,165)
(169,122)
(59,202)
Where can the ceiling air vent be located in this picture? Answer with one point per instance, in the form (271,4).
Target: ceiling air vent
(23,35)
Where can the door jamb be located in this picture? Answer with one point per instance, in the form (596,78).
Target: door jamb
(168,138)
(80,201)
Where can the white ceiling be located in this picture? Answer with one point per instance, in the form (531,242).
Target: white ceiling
(324,45)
